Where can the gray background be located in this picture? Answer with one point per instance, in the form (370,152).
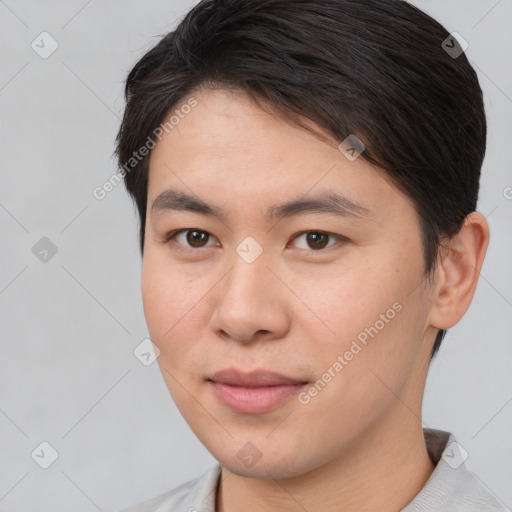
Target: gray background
(68,375)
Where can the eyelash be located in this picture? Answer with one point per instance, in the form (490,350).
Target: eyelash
(171,237)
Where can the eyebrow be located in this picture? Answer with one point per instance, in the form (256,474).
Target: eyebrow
(328,202)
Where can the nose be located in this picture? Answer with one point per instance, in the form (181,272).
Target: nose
(251,303)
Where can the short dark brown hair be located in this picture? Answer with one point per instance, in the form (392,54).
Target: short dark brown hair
(377,69)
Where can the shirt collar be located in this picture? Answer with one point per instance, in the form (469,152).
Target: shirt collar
(451,486)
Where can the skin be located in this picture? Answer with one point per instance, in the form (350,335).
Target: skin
(358,445)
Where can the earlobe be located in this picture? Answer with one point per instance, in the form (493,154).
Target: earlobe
(459,263)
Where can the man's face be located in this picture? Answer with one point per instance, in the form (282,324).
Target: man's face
(336,301)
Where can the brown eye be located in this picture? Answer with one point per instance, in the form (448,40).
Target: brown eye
(189,238)
(197,238)
(317,240)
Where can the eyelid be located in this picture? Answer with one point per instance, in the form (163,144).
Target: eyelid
(339,238)
(171,237)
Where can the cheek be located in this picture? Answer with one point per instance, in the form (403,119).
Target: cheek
(365,319)
(168,293)
(159,299)
(173,303)
(346,300)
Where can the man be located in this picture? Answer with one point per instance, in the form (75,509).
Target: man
(306,175)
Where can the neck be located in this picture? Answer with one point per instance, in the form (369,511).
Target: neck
(383,471)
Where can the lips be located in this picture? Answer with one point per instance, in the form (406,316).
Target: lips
(253,379)
(253,393)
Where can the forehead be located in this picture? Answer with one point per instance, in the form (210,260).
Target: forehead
(230,149)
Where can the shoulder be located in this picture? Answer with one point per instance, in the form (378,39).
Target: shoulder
(197,495)
(452,486)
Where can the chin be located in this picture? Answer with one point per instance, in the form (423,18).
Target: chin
(266,464)
(269,470)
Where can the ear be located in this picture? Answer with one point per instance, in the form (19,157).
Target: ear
(459,264)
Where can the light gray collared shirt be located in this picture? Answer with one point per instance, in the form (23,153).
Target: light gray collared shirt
(450,488)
